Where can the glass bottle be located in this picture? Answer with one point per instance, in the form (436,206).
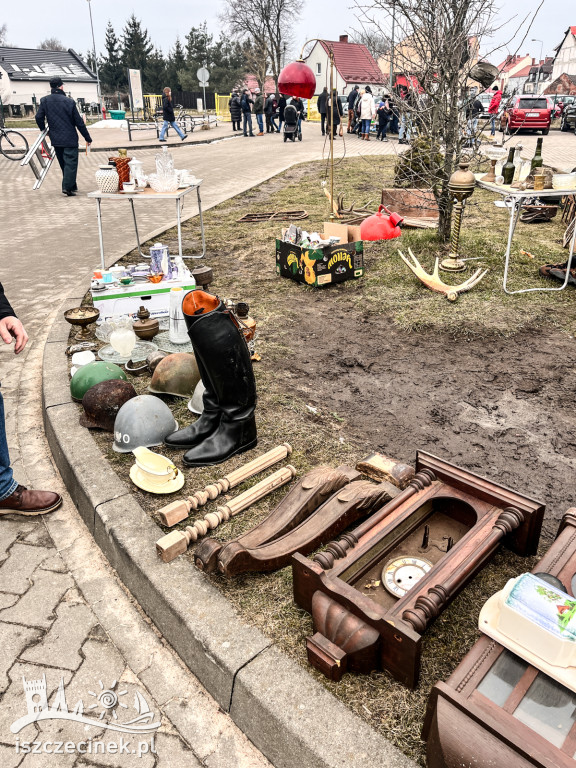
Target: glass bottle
(509,168)
(517,161)
(537,159)
(164,163)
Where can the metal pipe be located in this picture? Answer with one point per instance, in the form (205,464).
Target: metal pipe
(98,89)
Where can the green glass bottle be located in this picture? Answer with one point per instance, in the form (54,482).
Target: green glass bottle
(537,159)
(508,168)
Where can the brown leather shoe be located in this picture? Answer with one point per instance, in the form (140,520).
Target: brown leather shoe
(25,502)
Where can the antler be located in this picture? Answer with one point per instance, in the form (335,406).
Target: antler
(434,282)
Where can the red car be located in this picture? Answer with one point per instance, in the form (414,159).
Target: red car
(530,113)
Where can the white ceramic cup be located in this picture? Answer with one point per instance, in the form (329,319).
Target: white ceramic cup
(129,186)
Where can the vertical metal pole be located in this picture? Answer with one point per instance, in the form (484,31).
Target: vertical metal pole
(332,134)
(179,220)
(98,89)
(100,236)
(201,222)
(392,48)
(136,229)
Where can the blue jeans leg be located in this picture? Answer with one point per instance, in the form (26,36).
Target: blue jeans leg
(7,483)
(493,125)
(260,121)
(163,130)
(178,130)
(247,122)
(366,126)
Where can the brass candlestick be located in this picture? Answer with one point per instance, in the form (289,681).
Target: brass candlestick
(461,185)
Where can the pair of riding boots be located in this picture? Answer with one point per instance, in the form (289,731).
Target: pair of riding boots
(227,425)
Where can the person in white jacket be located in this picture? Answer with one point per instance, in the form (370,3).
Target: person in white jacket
(367,113)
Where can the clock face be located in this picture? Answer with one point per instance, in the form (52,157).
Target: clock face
(400,574)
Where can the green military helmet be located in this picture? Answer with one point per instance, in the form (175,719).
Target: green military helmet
(91,374)
(176,374)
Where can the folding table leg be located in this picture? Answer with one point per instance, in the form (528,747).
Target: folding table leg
(136,230)
(514,217)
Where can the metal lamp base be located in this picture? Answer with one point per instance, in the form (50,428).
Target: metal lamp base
(452,264)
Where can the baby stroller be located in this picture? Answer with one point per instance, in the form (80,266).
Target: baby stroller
(292,124)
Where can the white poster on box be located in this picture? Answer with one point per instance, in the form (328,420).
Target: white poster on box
(115,301)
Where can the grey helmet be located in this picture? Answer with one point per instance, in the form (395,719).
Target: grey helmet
(196,404)
(143,421)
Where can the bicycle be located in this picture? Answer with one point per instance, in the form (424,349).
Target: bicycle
(13,145)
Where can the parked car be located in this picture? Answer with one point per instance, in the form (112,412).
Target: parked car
(568,119)
(530,113)
(485,99)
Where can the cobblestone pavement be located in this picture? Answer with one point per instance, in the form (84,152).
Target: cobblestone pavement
(558,148)
(63,614)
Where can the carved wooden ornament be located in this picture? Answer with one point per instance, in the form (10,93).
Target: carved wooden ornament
(449,517)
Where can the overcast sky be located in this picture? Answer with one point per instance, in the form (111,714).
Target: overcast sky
(69,21)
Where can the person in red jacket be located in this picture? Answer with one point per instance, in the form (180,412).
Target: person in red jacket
(493,108)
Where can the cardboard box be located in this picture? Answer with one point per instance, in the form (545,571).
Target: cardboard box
(327,265)
(127,300)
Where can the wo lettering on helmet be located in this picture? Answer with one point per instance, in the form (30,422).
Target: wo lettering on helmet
(120,438)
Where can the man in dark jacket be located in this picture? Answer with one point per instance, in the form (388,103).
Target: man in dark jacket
(63,120)
(259,111)
(281,108)
(352,96)
(14,498)
(246,106)
(321,106)
(235,111)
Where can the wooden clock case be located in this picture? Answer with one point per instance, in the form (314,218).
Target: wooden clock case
(498,710)
(359,628)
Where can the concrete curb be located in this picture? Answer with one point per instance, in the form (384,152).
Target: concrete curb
(288,715)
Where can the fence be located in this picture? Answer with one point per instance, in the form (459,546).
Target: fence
(223,111)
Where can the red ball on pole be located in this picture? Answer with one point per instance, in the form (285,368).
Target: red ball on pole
(297,79)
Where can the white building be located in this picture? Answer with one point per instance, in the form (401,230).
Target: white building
(25,74)
(353,65)
(565,61)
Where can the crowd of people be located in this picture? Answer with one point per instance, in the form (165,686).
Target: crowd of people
(360,111)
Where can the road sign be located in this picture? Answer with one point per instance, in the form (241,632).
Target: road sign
(203,76)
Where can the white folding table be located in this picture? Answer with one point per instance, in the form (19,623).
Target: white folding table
(147,195)
(515,199)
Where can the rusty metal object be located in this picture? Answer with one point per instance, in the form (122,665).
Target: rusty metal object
(154,358)
(203,276)
(102,402)
(434,282)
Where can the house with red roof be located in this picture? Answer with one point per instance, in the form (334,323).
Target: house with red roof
(353,65)
(509,69)
(565,61)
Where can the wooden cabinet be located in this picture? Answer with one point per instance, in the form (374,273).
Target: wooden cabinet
(512,715)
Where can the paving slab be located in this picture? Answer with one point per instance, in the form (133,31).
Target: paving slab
(16,571)
(61,645)
(13,640)
(36,607)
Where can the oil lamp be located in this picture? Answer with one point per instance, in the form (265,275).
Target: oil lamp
(461,185)
(297,79)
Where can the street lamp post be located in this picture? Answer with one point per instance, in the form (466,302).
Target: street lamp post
(536,40)
(98,90)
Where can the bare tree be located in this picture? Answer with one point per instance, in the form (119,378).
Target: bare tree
(439,45)
(52,44)
(267,23)
(377,43)
(3,34)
